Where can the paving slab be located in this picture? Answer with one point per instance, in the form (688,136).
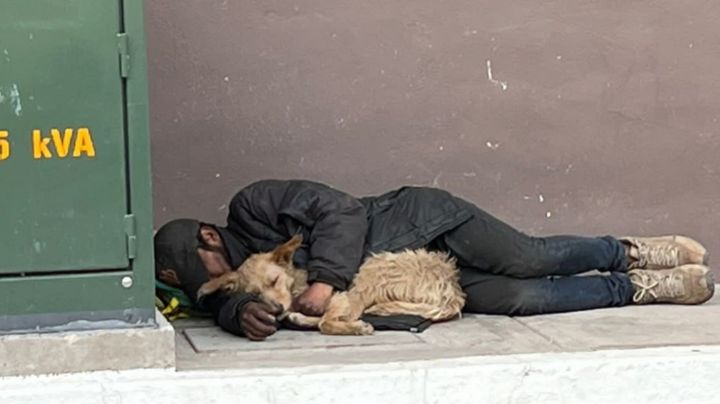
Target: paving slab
(487,335)
(209,339)
(203,347)
(631,327)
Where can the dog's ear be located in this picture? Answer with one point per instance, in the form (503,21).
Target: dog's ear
(226,283)
(283,254)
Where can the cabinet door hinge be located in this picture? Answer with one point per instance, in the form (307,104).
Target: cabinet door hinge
(124,52)
(130,236)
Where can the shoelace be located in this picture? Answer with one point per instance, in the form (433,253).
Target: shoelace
(662,285)
(665,255)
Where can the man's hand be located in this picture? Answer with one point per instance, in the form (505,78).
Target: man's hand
(314,300)
(258,320)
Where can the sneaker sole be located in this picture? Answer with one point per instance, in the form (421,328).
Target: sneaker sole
(702,284)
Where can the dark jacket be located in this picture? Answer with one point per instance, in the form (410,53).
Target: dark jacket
(338,230)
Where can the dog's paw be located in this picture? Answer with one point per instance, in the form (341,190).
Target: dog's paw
(298,321)
(365,329)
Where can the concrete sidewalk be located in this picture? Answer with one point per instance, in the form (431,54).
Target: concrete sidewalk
(200,345)
(638,354)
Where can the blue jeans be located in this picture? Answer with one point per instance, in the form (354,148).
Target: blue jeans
(504,271)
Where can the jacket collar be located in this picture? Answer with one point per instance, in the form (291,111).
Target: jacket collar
(237,251)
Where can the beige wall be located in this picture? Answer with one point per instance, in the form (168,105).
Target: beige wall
(600,116)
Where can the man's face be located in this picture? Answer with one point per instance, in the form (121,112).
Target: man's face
(213,254)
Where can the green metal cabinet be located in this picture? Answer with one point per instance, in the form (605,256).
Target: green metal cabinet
(75,198)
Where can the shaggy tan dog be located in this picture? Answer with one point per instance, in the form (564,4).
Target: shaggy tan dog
(416,282)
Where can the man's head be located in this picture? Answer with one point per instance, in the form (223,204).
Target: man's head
(188,253)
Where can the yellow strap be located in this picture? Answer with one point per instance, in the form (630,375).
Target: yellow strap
(172,310)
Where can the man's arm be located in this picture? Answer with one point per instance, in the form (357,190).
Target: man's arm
(335,221)
(337,240)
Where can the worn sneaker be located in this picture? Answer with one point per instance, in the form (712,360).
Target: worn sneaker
(686,284)
(663,252)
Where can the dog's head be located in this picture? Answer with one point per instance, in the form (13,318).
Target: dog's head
(266,274)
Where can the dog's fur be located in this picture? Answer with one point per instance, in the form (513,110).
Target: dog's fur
(416,282)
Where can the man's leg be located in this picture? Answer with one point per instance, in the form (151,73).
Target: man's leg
(498,294)
(489,245)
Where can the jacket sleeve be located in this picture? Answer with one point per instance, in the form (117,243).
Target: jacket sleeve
(335,222)
(226,310)
(337,240)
